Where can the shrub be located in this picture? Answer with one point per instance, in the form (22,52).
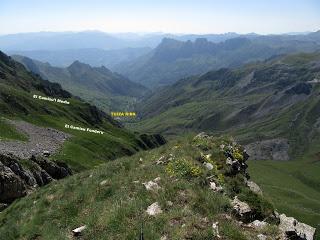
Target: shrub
(183,168)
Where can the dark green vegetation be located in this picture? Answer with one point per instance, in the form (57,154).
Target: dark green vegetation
(97,85)
(84,150)
(173,59)
(277,98)
(111,200)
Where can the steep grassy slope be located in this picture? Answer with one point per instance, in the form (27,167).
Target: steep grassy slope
(172,60)
(97,85)
(84,149)
(275,99)
(111,200)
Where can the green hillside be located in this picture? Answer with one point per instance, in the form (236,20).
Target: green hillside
(84,150)
(97,85)
(275,99)
(111,201)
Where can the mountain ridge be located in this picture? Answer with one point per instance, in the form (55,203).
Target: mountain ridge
(97,85)
(173,59)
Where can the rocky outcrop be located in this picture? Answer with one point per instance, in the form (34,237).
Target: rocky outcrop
(11,185)
(293,229)
(154,209)
(241,210)
(272,149)
(17,179)
(254,187)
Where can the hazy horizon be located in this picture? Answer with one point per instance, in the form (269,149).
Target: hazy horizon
(175,16)
(162,33)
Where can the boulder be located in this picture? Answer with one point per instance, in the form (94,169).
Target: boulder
(151,186)
(254,187)
(296,230)
(258,224)
(262,237)
(79,230)
(241,209)
(46,153)
(154,209)
(215,229)
(208,165)
(215,188)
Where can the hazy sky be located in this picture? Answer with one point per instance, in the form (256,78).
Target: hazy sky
(174,16)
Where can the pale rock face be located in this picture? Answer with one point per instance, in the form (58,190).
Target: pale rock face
(154,209)
(209,166)
(258,224)
(241,209)
(215,188)
(215,229)
(104,182)
(79,230)
(157,179)
(262,237)
(254,187)
(152,185)
(292,228)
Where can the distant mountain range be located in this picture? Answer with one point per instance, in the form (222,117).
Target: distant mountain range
(94,56)
(173,59)
(157,59)
(97,85)
(277,98)
(52,41)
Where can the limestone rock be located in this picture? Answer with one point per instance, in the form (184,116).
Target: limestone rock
(208,165)
(258,224)
(262,237)
(296,230)
(215,229)
(152,185)
(154,209)
(104,182)
(79,230)
(241,209)
(215,188)
(254,187)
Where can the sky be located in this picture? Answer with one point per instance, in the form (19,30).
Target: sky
(169,16)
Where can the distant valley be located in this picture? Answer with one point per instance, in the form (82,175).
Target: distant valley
(98,85)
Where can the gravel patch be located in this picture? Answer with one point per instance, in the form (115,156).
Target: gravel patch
(41,140)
